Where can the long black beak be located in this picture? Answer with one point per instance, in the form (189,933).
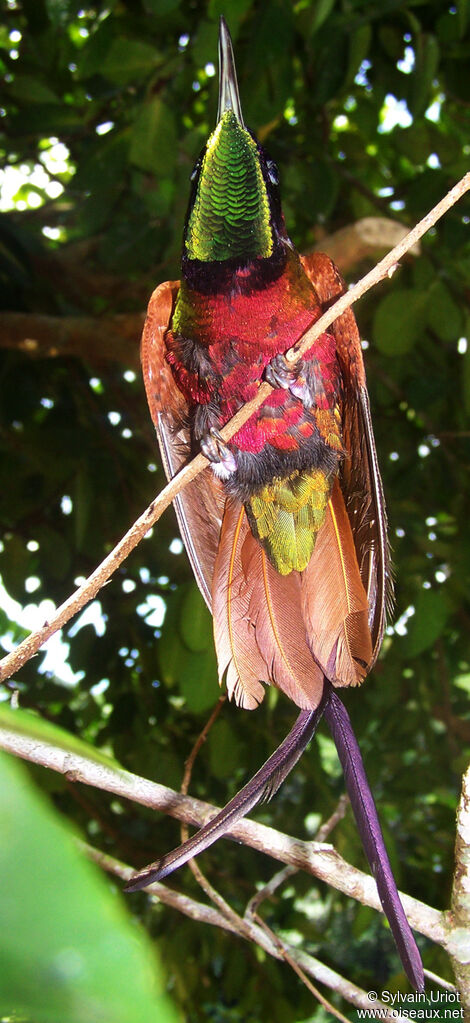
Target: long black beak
(228,85)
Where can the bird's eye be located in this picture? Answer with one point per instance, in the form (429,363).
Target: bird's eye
(273,172)
(195,171)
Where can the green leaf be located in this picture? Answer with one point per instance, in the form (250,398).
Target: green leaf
(329,756)
(59,11)
(359,44)
(224,749)
(427,60)
(56,549)
(69,949)
(414,142)
(31,726)
(463,682)
(400,320)
(194,672)
(391,38)
(322,10)
(232,10)
(423,273)
(26,89)
(198,680)
(14,564)
(462,16)
(160,8)
(128,59)
(153,139)
(466,370)
(444,316)
(195,622)
(427,623)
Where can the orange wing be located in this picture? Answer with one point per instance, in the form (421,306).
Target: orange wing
(199,507)
(360,480)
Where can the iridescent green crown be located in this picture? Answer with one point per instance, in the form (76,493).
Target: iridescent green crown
(230,217)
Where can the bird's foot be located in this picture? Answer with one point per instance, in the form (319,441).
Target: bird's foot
(218,454)
(280,373)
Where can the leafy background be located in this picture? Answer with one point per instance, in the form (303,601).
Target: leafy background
(365,107)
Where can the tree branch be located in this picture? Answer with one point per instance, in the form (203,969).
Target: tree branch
(51,336)
(43,336)
(13,661)
(362,240)
(322,861)
(250,930)
(459,938)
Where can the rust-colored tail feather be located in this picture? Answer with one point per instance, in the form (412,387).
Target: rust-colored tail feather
(259,633)
(238,654)
(279,627)
(334,601)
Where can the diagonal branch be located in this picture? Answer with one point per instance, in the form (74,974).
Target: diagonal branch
(251,931)
(321,861)
(15,660)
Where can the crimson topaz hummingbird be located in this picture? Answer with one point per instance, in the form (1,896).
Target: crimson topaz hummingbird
(286,528)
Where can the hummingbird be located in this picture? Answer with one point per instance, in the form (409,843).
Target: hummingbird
(286,527)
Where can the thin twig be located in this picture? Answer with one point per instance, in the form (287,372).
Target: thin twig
(267,890)
(286,955)
(434,977)
(325,829)
(189,764)
(321,861)
(283,875)
(385,268)
(251,932)
(194,867)
(15,660)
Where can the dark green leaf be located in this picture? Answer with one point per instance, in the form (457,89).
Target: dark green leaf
(399,321)
(67,935)
(195,624)
(321,12)
(427,59)
(444,316)
(128,59)
(153,139)
(30,90)
(427,623)
(224,749)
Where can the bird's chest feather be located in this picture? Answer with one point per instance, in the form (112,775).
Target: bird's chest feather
(224,341)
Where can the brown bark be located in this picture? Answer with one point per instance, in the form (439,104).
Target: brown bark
(96,340)
(458,942)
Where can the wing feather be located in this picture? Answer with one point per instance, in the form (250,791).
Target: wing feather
(238,654)
(359,475)
(279,627)
(199,508)
(334,601)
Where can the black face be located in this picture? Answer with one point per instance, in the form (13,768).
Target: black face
(270,174)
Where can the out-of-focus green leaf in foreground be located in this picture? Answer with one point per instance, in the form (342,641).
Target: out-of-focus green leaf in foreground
(68,950)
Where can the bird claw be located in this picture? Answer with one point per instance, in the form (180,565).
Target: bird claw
(280,373)
(218,453)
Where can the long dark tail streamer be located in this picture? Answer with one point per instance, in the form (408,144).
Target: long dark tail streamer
(262,786)
(368,825)
(266,782)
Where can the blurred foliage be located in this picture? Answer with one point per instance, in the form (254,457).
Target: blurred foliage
(76,935)
(365,107)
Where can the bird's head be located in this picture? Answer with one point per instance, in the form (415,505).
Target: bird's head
(234,214)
